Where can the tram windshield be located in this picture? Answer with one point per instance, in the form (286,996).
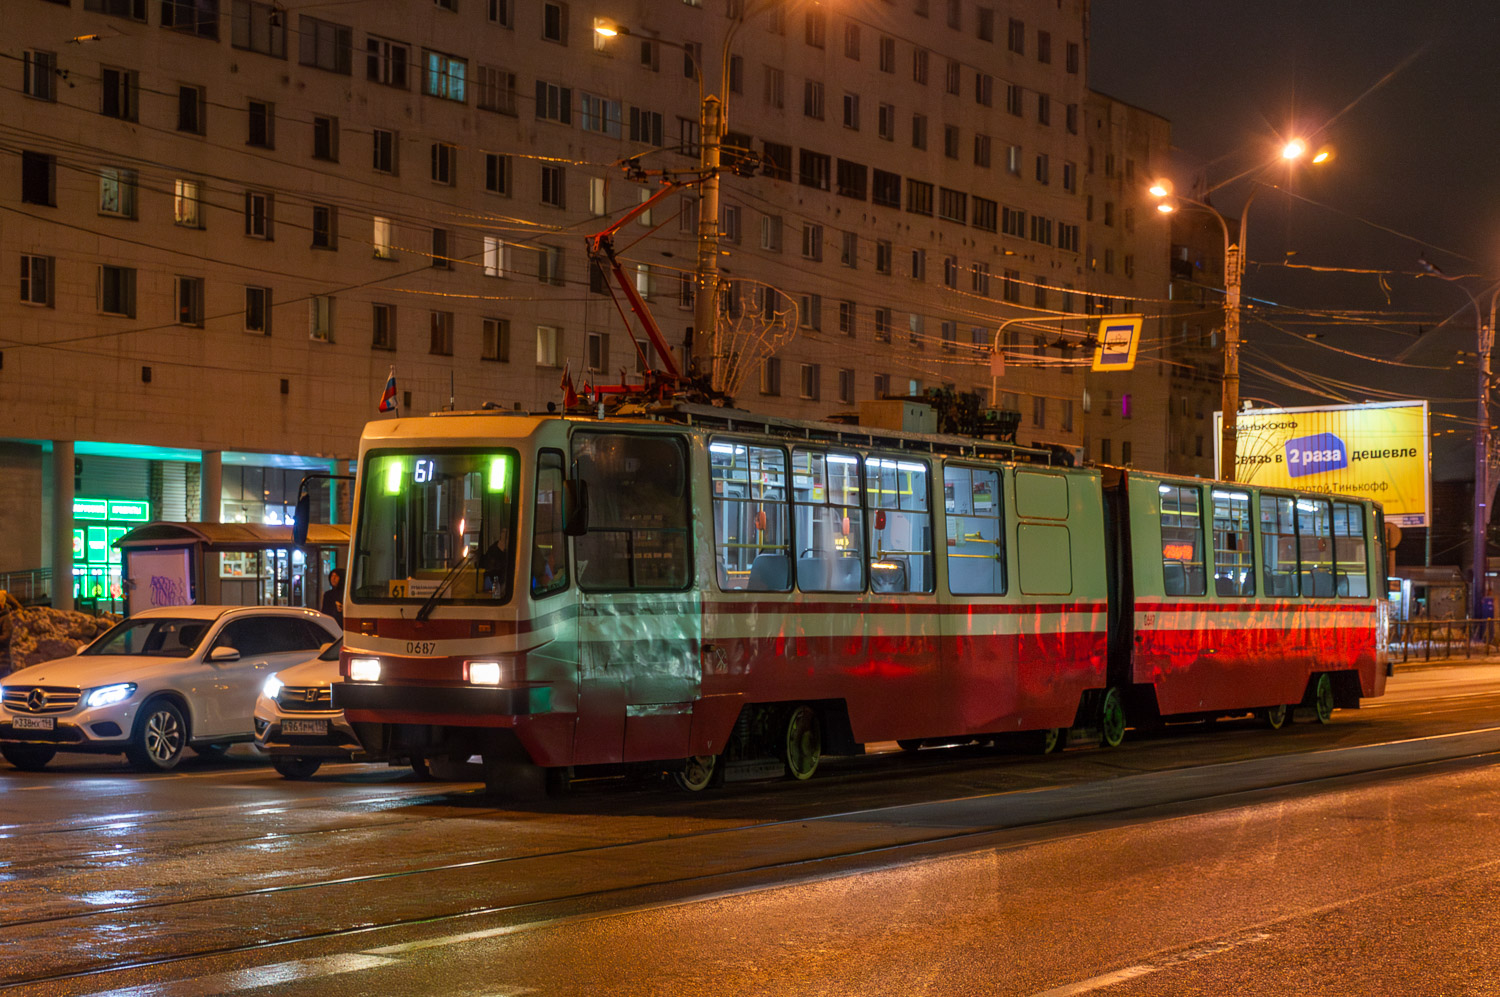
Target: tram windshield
(435,527)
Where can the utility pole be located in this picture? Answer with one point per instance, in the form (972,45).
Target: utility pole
(705,346)
(1230,400)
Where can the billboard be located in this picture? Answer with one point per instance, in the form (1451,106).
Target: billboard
(1376,450)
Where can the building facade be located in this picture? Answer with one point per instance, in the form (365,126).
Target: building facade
(230,221)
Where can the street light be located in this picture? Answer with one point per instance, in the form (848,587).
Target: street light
(713,121)
(1234,272)
(1485,336)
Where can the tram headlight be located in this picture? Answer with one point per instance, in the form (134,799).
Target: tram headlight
(364,669)
(491,672)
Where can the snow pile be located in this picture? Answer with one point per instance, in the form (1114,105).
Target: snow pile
(40,633)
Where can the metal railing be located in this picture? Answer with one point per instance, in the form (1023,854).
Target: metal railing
(1425,640)
(28,587)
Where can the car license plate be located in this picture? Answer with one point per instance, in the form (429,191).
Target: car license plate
(33,723)
(304,726)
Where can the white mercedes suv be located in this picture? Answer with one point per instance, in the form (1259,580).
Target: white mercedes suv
(154,684)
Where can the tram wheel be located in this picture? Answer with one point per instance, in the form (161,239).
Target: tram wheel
(1112,719)
(698,773)
(802,745)
(1323,698)
(1046,742)
(1275,717)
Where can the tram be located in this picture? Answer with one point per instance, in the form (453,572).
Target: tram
(702,590)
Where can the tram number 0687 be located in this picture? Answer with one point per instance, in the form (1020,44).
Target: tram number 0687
(420,647)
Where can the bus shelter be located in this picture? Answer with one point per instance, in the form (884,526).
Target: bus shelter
(236,564)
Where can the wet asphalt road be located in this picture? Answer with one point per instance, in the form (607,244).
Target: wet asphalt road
(1355,858)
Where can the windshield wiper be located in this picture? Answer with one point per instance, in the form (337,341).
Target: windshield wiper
(437,593)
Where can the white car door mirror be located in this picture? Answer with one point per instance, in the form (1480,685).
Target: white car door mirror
(222,654)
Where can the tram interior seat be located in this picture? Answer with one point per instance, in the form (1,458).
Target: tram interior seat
(1183,579)
(1226,585)
(845,574)
(813,572)
(1341,587)
(770,573)
(1281,583)
(889,575)
(1319,584)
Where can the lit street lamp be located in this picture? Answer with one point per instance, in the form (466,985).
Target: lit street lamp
(1234,272)
(1485,337)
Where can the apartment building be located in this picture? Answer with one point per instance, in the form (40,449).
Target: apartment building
(230,220)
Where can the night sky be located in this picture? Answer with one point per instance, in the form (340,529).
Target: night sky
(1408,96)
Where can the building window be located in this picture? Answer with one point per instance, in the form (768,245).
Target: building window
(1067,237)
(386,61)
(495,90)
(119,93)
(846,386)
(496,173)
(191,113)
(599,114)
(979,279)
(887,54)
(117,290)
(919,264)
(882,325)
(815,28)
(774,92)
(325,45)
(320,318)
(851,40)
(812,242)
(1072,57)
(885,122)
(326,139)
(550,265)
(813,169)
(117,192)
(847,318)
(495,340)
(729,228)
(849,249)
(810,311)
(886,189)
(919,66)
(445,76)
(985,214)
(546,345)
(851,111)
(812,380)
(645,126)
(383,327)
(918,197)
(38,72)
(1041,230)
(555,22)
(381,239)
(36,280)
(495,256)
(258,310)
(1039,412)
(325,227)
(442,257)
(950,271)
(770,233)
(262,125)
(384,146)
(1015,36)
(883,256)
(919,131)
(950,141)
(1011,287)
(1043,109)
(776,161)
(770,376)
(597,358)
(1013,222)
(554,191)
(953,205)
(882,385)
(258,27)
(812,99)
(192,17)
(259,214)
(952,77)
(440,334)
(444,163)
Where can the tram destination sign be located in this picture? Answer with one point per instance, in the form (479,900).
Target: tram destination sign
(1377,451)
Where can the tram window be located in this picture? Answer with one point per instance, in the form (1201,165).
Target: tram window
(900,524)
(639,517)
(829,523)
(976,544)
(1182,540)
(549,546)
(1234,560)
(750,517)
(1315,546)
(1278,545)
(1351,564)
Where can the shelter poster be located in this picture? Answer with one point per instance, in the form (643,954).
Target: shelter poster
(1376,450)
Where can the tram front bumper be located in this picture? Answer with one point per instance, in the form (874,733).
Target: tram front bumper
(466,704)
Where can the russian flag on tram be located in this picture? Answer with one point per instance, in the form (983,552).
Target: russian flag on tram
(388,397)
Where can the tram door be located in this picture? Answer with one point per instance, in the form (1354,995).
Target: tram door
(639,616)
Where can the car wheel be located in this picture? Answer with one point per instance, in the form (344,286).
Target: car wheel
(160,736)
(295,768)
(27,757)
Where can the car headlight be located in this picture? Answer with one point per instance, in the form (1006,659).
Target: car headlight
(364,669)
(272,688)
(110,694)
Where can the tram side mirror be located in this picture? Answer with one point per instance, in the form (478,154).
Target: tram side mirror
(575,507)
(300,517)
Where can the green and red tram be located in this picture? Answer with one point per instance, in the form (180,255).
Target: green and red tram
(699,589)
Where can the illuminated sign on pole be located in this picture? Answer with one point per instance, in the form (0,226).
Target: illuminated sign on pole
(1376,451)
(1118,337)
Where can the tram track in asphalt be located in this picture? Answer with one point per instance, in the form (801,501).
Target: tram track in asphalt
(865,838)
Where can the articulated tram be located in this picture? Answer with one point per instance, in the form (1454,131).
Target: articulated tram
(702,590)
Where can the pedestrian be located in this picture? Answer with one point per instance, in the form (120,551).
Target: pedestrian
(333,599)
